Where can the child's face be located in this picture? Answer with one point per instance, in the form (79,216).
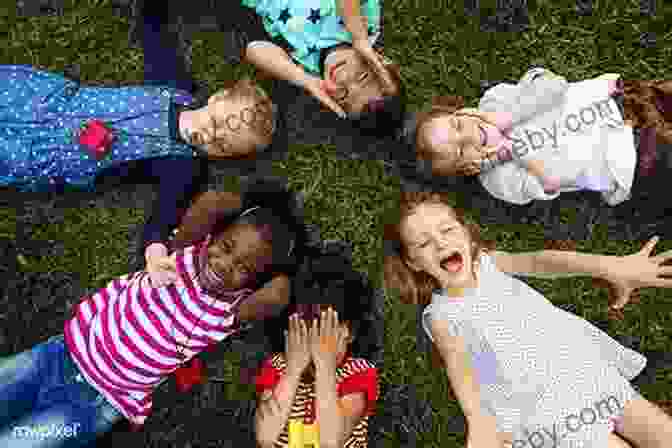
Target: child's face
(439,245)
(238,254)
(357,82)
(235,123)
(457,140)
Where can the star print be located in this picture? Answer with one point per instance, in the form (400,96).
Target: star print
(285,16)
(312,49)
(315,16)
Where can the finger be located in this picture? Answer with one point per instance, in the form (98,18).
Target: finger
(659,283)
(663,256)
(331,104)
(649,246)
(665,271)
(621,301)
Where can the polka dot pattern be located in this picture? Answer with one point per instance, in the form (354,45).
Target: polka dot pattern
(537,365)
(41,114)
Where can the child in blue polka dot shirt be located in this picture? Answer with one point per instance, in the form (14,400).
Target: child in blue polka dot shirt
(155,131)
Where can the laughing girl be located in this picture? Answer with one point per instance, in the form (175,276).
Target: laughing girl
(543,136)
(517,364)
(126,338)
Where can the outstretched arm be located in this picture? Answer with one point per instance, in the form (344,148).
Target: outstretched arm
(274,61)
(552,264)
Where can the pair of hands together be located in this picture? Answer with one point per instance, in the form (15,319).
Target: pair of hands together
(322,342)
(319,88)
(161,267)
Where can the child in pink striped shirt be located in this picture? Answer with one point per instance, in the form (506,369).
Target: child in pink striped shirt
(127,337)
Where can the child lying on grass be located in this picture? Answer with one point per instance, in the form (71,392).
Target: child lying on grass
(326,47)
(544,136)
(127,337)
(318,389)
(517,364)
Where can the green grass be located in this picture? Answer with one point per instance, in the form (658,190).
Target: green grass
(442,52)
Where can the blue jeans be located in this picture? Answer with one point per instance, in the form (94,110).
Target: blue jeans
(45,402)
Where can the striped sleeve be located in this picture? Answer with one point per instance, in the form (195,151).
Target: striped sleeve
(363,377)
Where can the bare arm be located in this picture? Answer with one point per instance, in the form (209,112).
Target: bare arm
(274,409)
(552,264)
(203,214)
(336,417)
(267,301)
(459,369)
(351,12)
(274,61)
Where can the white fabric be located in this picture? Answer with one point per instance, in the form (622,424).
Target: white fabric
(604,150)
(536,364)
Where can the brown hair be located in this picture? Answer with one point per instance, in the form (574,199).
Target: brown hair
(644,104)
(416,287)
(262,125)
(439,107)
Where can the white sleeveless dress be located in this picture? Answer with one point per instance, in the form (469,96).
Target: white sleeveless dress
(543,372)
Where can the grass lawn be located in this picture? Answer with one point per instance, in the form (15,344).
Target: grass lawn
(441,51)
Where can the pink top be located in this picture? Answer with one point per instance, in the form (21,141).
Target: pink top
(123,337)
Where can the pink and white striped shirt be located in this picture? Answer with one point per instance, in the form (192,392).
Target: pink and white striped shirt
(123,338)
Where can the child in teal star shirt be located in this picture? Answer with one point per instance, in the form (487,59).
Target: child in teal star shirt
(326,47)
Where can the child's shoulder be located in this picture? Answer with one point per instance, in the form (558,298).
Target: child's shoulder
(354,365)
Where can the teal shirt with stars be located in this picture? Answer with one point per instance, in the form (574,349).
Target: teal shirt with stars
(310,26)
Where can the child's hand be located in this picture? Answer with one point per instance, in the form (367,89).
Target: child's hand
(319,88)
(326,340)
(297,350)
(639,270)
(161,268)
(551,184)
(373,59)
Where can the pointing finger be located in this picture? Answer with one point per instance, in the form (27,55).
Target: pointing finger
(650,245)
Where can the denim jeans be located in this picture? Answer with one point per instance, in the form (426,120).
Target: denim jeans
(45,402)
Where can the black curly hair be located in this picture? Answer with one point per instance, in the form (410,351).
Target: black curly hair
(326,277)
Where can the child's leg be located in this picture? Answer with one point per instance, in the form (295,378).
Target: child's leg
(164,65)
(65,410)
(21,377)
(645,425)
(66,424)
(179,180)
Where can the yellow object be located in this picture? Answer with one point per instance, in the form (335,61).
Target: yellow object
(303,435)
(455,292)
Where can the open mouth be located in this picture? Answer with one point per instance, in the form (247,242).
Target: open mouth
(453,262)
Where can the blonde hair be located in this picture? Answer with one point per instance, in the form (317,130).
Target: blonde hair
(415,287)
(255,102)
